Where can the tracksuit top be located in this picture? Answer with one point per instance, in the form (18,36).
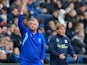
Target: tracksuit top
(33,45)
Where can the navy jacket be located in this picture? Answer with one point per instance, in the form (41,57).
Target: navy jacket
(59,44)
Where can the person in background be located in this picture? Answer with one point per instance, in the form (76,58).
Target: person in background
(16,55)
(70,30)
(16,38)
(78,42)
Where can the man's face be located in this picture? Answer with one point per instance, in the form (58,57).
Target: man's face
(55,13)
(33,25)
(61,31)
(15,12)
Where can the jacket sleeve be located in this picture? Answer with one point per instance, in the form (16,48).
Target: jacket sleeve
(52,47)
(22,27)
(43,49)
(70,48)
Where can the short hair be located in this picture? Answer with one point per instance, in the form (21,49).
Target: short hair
(59,25)
(33,19)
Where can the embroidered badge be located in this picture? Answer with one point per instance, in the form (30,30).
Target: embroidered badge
(39,40)
(65,41)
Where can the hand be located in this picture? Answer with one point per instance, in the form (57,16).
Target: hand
(42,61)
(75,57)
(23,6)
(62,56)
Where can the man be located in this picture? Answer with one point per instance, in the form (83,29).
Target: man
(60,46)
(33,43)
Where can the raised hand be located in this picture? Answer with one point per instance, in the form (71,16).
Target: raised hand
(23,6)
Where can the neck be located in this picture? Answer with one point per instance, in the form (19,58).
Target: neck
(33,31)
(60,35)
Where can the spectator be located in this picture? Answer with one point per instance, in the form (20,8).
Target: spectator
(77,3)
(81,18)
(79,26)
(61,16)
(59,5)
(51,27)
(71,17)
(4,14)
(32,9)
(16,4)
(4,2)
(4,31)
(2,56)
(14,13)
(55,14)
(78,42)
(49,5)
(71,6)
(15,36)
(15,22)
(81,9)
(16,56)
(69,30)
(7,45)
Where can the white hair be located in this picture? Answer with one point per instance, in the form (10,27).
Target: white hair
(34,19)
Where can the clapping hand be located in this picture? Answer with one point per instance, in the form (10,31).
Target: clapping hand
(75,57)
(62,56)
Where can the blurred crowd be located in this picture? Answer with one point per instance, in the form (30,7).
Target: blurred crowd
(71,13)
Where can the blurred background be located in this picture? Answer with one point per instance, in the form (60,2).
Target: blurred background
(71,13)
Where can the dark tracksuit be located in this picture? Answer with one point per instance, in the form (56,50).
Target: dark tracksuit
(33,45)
(59,44)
